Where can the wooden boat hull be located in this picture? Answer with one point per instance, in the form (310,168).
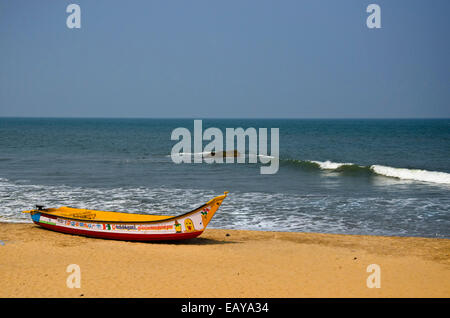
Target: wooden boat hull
(122,236)
(185,226)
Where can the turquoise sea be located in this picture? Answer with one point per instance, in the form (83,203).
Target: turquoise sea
(356,176)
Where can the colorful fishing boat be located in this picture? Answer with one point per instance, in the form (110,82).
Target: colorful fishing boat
(127,226)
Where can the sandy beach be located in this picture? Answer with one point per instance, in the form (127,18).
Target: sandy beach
(222,263)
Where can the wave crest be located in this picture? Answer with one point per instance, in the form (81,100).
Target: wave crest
(399,173)
(412,174)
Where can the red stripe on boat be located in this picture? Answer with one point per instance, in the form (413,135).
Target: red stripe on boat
(122,236)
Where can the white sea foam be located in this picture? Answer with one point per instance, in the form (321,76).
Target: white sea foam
(15,197)
(208,154)
(400,173)
(265,156)
(329,165)
(412,174)
(243,210)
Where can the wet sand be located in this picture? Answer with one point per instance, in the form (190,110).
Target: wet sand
(222,263)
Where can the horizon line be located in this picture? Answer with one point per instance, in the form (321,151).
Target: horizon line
(201,118)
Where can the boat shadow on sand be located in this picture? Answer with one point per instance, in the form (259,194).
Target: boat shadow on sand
(194,241)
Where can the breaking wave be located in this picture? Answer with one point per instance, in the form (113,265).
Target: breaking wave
(412,174)
(399,173)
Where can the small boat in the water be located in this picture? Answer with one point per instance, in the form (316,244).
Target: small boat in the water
(228,153)
(127,226)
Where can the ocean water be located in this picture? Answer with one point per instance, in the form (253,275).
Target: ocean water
(375,177)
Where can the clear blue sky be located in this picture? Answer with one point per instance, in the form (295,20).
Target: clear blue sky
(234,58)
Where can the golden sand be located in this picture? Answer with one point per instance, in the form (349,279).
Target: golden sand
(33,263)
